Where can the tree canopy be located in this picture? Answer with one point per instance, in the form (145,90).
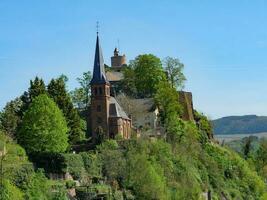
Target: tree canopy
(57,91)
(174,69)
(43,128)
(146,72)
(81,95)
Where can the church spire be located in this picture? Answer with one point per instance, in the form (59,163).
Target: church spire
(99,76)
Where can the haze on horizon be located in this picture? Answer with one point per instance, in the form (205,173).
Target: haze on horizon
(222,44)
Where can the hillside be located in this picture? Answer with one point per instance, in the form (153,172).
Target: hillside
(247,124)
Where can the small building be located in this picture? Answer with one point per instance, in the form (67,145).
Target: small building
(143,112)
(107,118)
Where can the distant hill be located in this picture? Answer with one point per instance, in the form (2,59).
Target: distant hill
(247,124)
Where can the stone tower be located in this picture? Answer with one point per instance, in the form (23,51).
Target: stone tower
(100,98)
(117,61)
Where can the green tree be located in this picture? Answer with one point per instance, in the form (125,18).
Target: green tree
(37,87)
(166,98)
(81,95)
(148,73)
(174,69)
(37,187)
(57,91)
(10,192)
(43,127)
(128,82)
(9,117)
(146,181)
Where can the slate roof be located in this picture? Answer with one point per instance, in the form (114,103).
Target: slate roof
(115,110)
(99,76)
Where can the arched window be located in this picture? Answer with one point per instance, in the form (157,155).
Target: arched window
(95,91)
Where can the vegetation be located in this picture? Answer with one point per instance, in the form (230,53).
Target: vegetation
(43,128)
(19,179)
(254,150)
(247,124)
(143,75)
(81,95)
(57,91)
(174,69)
(182,164)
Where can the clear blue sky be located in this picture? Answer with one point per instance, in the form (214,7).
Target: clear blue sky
(223,44)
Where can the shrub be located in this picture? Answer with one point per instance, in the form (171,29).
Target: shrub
(74,165)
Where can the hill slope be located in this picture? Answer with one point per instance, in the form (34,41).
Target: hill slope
(247,124)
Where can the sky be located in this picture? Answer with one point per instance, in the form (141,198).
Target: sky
(223,45)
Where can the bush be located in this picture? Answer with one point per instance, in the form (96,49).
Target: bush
(70,184)
(74,165)
(92,164)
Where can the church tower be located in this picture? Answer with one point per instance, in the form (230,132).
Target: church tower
(100,97)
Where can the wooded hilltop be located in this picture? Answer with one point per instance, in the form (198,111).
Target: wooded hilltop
(46,151)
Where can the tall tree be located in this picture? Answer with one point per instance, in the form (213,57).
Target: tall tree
(128,82)
(174,69)
(81,95)
(37,87)
(57,91)
(148,73)
(10,118)
(43,128)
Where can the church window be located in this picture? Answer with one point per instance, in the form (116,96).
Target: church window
(95,91)
(100,90)
(98,108)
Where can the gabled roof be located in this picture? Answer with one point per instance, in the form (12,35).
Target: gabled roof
(99,76)
(115,110)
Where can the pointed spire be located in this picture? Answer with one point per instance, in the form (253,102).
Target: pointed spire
(99,76)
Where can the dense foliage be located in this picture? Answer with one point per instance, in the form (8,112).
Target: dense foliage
(143,75)
(81,95)
(240,124)
(43,127)
(57,91)
(20,181)
(254,150)
(183,163)
(174,69)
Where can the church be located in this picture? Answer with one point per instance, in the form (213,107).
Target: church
(107,117)
(112,114)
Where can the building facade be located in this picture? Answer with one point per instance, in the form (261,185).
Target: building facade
(107,117)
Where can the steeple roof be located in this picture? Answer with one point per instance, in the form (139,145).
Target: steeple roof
(99,76)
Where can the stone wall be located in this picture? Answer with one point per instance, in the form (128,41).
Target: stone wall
(118,61)
(186,101)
